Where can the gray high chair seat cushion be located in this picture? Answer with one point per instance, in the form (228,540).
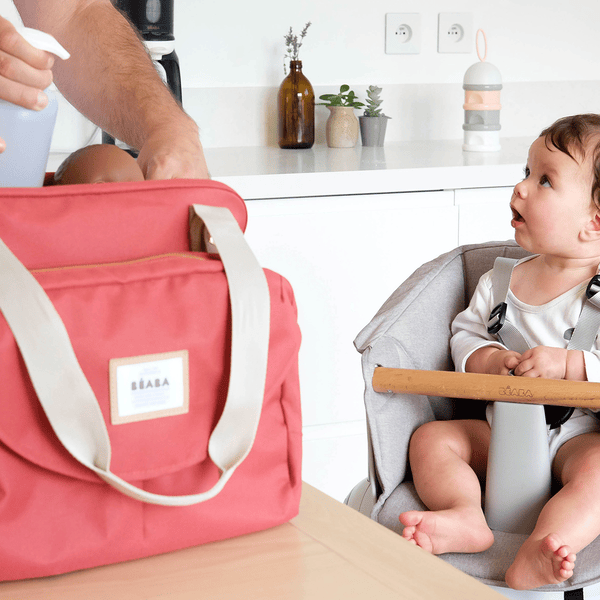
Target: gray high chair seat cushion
(412,331)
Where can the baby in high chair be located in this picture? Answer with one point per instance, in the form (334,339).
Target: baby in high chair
(556,216)
(99,163)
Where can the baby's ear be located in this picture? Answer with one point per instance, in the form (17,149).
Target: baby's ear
(592,229)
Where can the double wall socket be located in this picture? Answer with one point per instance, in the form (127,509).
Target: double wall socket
(402,33)
(455,32)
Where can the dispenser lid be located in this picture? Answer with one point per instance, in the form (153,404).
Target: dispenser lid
(482,75)
(43,41)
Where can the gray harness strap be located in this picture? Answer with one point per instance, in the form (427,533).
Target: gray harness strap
(583,337)
(588,323)
(510,337)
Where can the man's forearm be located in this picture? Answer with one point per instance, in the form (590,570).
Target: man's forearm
(117,87)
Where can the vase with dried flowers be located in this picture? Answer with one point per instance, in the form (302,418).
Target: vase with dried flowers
(296,99)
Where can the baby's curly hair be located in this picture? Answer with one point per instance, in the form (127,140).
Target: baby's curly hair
(573,135)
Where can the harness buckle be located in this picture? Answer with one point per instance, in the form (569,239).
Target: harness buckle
(593,287)
(497,318)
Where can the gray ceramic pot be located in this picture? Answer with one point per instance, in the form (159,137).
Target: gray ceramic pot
(372,130)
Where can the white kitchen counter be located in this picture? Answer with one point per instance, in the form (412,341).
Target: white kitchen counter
(269,172)
(399,167)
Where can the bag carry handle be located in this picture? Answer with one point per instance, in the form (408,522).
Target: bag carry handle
(68,399)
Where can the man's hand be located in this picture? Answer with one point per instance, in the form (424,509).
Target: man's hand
(174,152)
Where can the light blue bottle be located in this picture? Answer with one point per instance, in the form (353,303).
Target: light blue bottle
(28,133)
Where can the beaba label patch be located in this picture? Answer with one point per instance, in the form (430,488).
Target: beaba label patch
(149,387)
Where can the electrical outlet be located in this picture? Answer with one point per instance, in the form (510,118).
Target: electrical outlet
(402,33)
(455,32)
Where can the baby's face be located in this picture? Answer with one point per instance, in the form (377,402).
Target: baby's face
(101,163)
(553,203)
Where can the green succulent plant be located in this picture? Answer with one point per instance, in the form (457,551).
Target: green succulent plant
(373,102)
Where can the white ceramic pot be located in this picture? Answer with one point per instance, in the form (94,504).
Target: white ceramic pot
(341,129)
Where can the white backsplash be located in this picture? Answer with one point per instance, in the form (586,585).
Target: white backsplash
(248,116)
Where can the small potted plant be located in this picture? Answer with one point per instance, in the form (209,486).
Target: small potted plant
(341,129)
(373,122)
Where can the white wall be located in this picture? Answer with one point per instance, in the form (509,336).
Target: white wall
(546,51)
(240,44)
(231,56)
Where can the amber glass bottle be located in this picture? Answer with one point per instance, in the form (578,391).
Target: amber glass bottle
(296,110)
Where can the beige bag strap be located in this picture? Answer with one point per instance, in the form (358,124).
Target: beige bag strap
(68,399)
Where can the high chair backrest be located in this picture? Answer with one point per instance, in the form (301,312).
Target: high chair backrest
(412,331)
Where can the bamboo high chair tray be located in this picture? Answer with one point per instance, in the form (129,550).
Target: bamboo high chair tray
(476,386)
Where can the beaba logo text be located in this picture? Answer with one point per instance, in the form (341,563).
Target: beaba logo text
(144,385)
(520,392)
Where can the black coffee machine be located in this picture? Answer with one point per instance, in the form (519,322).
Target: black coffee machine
(154,21)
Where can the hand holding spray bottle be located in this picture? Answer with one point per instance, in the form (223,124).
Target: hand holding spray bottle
(28,133)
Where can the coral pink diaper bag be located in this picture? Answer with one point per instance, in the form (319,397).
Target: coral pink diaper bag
(149,395)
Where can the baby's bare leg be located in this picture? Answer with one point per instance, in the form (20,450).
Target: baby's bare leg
(446,459)
(568,523)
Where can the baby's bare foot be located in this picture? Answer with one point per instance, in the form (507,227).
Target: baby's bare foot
(541,562)
(452,530)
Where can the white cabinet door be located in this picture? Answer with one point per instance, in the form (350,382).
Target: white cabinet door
(484,215)
(344,255)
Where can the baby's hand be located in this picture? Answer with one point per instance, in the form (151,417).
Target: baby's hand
(543,361)
(502,362)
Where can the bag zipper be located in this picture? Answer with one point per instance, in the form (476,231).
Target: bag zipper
(194,256)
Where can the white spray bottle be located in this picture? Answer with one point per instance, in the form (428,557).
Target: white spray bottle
(28,133)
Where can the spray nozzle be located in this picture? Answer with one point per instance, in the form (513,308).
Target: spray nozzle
(43,41)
